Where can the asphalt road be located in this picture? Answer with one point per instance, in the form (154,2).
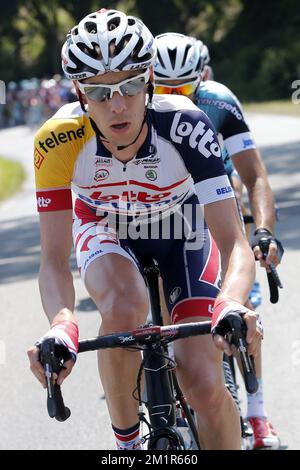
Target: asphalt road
(24,420)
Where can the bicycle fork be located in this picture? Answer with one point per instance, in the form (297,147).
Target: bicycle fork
(158,378)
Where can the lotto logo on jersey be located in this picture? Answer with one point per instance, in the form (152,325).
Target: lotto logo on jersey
(200,136)
(38,158)
(43,202)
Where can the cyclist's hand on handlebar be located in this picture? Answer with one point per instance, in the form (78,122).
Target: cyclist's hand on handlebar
(254,332)
(65,334)
(36,366)
(39,372)
(254,335)
(267,249)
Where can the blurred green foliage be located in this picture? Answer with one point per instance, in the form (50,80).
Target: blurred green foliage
(254,45)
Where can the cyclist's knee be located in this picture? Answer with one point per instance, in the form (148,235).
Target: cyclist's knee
(121,310)
(206,394)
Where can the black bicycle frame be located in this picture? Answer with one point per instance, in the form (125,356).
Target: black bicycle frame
(161,384)
(158,377)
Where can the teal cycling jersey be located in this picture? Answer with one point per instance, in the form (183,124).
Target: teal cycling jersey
(225,111)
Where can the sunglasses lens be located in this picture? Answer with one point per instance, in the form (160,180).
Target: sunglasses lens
(129,87)
(133,87)
(162,90)
(185,89)
(99,93)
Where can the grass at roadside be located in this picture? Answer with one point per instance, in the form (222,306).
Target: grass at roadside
(284,108)
(12,176)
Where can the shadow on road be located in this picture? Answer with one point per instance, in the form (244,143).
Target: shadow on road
(86,305)
(284,161)
(20,249)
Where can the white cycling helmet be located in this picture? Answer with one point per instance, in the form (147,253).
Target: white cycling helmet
(107,41)
(205,54)
(178,57)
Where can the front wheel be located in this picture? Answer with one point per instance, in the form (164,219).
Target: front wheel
(166,439)
(165,443)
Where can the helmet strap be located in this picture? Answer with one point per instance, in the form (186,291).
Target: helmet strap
(150,94)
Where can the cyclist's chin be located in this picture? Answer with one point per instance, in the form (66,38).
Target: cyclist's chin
(123,136)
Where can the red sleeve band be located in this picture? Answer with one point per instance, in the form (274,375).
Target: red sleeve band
(68,331)
(54,200)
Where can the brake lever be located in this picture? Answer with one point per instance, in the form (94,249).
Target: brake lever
(273,277)
(238,331)
(52,365)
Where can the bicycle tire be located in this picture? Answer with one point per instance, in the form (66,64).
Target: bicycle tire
(164,443)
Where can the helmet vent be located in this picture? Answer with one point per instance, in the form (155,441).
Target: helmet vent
(172,56)
(91,27)
(80,67)
(113,24)
(159,59)
(95,53)
(185,55)
(137,48)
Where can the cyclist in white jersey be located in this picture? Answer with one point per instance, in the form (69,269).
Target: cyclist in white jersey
(180,69)
(127,161)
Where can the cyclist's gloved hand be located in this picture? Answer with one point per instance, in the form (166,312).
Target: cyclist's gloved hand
(267,249)
(65,334)
(224,307)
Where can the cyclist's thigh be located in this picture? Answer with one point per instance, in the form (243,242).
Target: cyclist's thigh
(191,284)
(107,270)
(191,279)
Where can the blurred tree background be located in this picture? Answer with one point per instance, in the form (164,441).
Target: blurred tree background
(254,45)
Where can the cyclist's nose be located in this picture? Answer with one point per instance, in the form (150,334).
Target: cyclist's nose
(117,103)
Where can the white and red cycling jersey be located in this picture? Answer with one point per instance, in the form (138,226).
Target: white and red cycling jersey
(180,156)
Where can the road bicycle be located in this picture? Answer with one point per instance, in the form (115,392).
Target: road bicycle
(169,420)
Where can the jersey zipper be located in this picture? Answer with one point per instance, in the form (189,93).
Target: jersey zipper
(125,168)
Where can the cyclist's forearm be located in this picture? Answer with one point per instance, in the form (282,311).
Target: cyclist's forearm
(254,176)
(262,204)
(57,291)
(239,273)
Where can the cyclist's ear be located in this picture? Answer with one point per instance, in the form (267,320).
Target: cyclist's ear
(151,75)
(81,96)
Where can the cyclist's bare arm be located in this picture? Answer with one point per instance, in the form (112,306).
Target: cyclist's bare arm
(55,279)
(238,191)
(251,169)
(238,268)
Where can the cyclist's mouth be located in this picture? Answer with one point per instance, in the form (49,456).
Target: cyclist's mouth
(120,127)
